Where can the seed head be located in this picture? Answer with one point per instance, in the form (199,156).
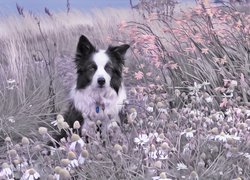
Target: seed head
(75,137)
(160,105)
(32,171)
(214,131)
(177,92)
(25,141)
(132,110)
(76,125)
(5,165)
(194,175)
(163,175)
(85,153)
(64,174)
(152,147)
(57,169)
(65,162)
(71,155)
(99,156)
(158,164)
(98,122)
(17,161)
(7,139)
(165,146)
(118,147)
(65,125)
(203,156)
(59,118)
(248,122)
(201,164)
(42,130)
(12,153)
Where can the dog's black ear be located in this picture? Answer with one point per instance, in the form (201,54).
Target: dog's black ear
(118,51)
(84,47)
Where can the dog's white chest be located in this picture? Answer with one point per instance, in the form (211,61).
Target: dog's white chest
(98,103)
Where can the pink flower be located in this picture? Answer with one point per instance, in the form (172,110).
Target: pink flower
(223,103)
(125,69)
(149,73)
(139,75)
(122,25)
(204,50)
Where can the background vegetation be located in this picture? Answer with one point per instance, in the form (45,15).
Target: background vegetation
(187,77)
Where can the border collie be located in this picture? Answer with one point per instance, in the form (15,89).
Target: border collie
(99,91)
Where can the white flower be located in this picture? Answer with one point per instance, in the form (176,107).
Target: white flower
(159,178)
(81,159)
(22,166)
(142,139)
(221,137)
(11,119)
(189,132)
(153,135)
(30,174)
(224,137)
(162,110)
(74,163)
(153,154)
(205,83)
(181,166)
(11,81)
(162,155)
(57,176)
(54,123)
(73,145)
(133,115)
(246,155)
(219,116)
(150,109)
(209,99)
(195,89)
(6,171)
(209,120)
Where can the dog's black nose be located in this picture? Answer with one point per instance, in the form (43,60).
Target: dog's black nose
(101,81)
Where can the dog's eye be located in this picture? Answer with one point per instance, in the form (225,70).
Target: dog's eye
(92,68)
(108,68)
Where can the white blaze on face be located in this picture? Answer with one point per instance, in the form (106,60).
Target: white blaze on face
(101,59)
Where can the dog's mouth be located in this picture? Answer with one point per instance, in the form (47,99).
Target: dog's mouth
(101,86)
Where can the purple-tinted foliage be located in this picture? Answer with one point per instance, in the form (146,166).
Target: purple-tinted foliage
(20,10)
(68,6)
(47,11)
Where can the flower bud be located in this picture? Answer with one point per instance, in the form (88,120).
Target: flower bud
(65,162)
(158,164)
(7,139)
(60,118)
(57,169)
(76,125)
(42,130)
(118,147)
(163,175)
(71,155)
(75,137)
(25,141)
(64,174)
(85,153)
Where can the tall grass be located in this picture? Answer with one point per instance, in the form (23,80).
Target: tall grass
(187,77)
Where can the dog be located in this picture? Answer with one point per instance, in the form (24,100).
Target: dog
(99,92)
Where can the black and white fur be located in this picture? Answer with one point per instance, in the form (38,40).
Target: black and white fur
(99,91)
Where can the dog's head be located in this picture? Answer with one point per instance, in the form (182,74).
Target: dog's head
(99,68)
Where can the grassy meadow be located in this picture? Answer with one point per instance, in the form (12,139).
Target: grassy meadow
(187,78)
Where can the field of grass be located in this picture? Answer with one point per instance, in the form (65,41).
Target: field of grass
(187,78)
